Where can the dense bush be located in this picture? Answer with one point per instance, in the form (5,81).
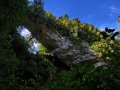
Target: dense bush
(12,13)
(86,77)
(107,50)
(18,68)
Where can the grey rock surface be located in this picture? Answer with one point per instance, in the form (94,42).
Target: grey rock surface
(65,50)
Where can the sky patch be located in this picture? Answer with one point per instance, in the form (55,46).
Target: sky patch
(96,12)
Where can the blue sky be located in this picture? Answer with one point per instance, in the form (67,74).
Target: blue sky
(100,13)
(33,44)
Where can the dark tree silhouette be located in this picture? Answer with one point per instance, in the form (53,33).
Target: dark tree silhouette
(113,36)
(105,35)
(109,30)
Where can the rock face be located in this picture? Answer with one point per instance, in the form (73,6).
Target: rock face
(65,50)
(70,53)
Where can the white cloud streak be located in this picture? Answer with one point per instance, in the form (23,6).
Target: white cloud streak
(115,26)
(114,10)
